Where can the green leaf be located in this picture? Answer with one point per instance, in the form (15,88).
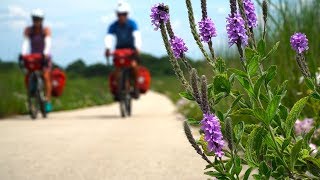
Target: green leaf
(238,131)
(315,95)
(272,108)
(283,112)
(220,116)
(250,53)
(310,83)
(258,84)
(253,146)
(245,84)
(244,111)
(193,122)
(308,136)
(282,89)
(247,173)
(237,165)
(262,47)
(294,153)
(285,143)
(253,65)
(261,115)
(313,165)
(274,49)
(271,73)
(235,102)
(187,95)
(220,65)
(238,72)
(264,169)
(294,114)
(221,84)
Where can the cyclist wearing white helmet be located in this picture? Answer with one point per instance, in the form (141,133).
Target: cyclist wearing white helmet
(37,39)
(127,35)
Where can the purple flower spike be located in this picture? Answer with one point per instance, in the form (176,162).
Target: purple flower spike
(212,134)
(178,46)
(158,15)
(303,127)
(207,29)
(250,12)
(236,30)
(299,42)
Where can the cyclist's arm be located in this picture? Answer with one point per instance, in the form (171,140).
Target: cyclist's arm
(108,39)
(136,36)
(47,41)
(26,42)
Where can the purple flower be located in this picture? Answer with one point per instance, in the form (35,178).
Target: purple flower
(236,30)
(178,47)
(212,134)
(250,12)
(159,14)
(299,42)
(207,29)
(303,127)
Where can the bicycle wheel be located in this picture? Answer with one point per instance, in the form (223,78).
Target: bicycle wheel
(32,97)
(125,97)
(41,97)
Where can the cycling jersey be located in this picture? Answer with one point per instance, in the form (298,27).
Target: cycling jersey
(127,35)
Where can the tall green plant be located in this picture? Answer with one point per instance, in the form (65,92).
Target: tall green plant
(269,145)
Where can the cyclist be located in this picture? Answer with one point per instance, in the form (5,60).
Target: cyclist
(127,37)
(37,39)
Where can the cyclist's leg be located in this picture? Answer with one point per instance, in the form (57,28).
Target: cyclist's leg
(134,75)
(47,79)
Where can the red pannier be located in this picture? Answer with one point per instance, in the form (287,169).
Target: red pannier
(58,79)
(122,57)
(33,62)
(143,80)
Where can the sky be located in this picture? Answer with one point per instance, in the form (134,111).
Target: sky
(78,27)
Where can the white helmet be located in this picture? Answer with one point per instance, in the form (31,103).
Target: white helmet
(123,7)
(37,13)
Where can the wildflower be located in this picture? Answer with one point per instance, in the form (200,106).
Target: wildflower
(207,29)
(159,14)
(213,135)
(299,42)
(303,127)
(178,46)
(236,30)
(250,12)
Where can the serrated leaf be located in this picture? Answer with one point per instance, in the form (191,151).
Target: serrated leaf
(238,131)
(271,73)
(244,111)
(308,136)
(253,146)
(187,95)
(310,83)
(220,65)
(285,143)
(235,102)
(253,65)
(250,53)
(294,153)
(245,84)
(294,114)
(238,72)
(315,95)
(258,84)
(221,84)
(272,108)
(264,169)
(282,89)
(220,115)
(283,112)
(261,115)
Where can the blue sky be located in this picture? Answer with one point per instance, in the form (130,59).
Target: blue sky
(79,27)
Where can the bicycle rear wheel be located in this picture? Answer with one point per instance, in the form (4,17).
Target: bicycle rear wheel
(32,96)
(125,96)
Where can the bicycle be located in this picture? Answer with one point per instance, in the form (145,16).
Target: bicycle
(35,84)
(122,59)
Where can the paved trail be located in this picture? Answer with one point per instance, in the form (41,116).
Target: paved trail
(95,144)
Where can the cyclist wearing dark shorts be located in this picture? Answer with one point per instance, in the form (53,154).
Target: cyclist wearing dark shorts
(127,36)
(37,39)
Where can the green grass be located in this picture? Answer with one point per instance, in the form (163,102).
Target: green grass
(78,93)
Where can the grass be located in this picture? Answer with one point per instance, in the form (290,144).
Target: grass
(78,93)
